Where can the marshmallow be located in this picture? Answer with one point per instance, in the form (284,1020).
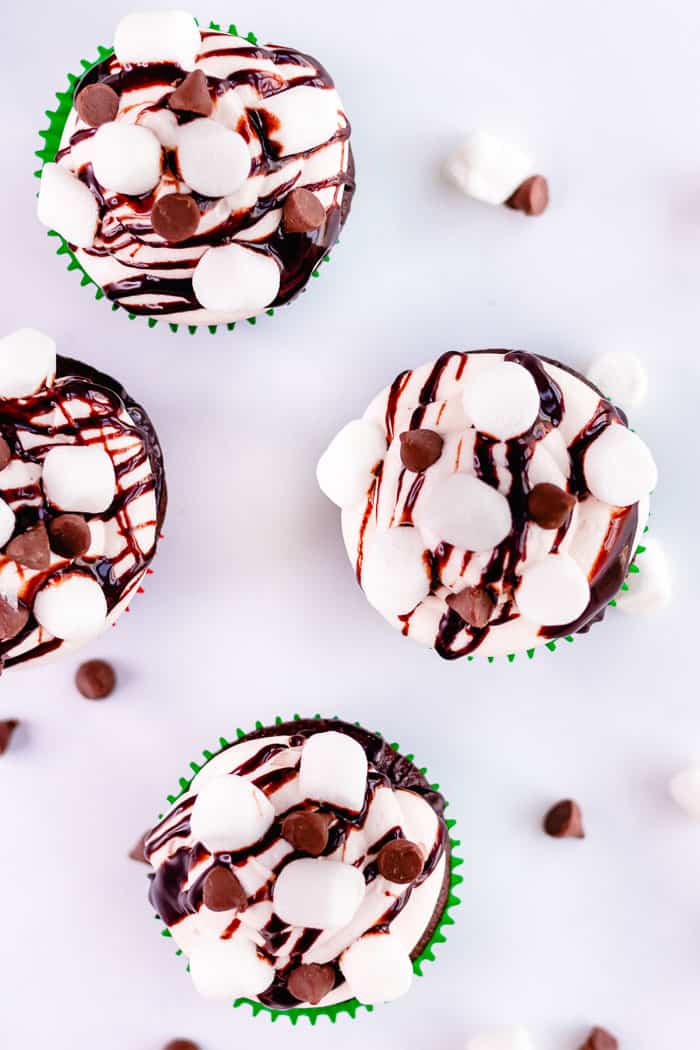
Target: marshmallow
(7,523)
(229,969)
(306,117)
(394,573)
(71,607)
(685,791)
(502,401)
(466,512)
(213,160)
(67,206)
(619,468)
(79,478)
(648,590)
(553,591)
(230,813)
(126,158)
(323,755)
(621,377)
(488,169)
(236,280)
(377,968)
(344,471)
(506,1037)
(27,361)
(158,36)
(319,894)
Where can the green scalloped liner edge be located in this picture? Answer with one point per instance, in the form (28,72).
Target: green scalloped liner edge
(351,1006)
(52,138)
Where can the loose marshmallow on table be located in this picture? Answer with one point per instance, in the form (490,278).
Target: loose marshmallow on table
(488,169)
(158,36)
(318,894)
(230,813)
(227,969)
(323,755)
(502,401)
(236,280)
(67,205)
(127,158)
(619,468)
(27,360)
(553,591)
(650,589)
(465,511)
(71,607)
(621,376)
(7,522)
(213,160)
(506,1037)
(344,471)
(685,791)
(395,576)
(79,478)
(306,117)
(377,968)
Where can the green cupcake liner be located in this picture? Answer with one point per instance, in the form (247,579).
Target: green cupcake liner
(52,138)
(351,1006)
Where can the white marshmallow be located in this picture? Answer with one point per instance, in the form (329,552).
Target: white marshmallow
(334,770)
(619,468)
(27,361)
(7,522)
(685,791)
(67,206)
(307,117)
(553,591)
(650,589)
(71,607)
(230,813)
(344,471)
(621,376)
(377,968)
(126,158)
(79,478)
(488,169)
(158,36)
(502,401)
(229,969)
(394,574)
(465,511)
(319,894)
(213,160)
(506,1037)
(236,280)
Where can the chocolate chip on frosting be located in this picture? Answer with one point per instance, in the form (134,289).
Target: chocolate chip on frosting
(95,679)
(12,620)
(531,197)
(69,535)
(549,506)
(222,890)
(175,217)
(600,1039)
(192,95)
(7,728)
(311,982)
(307,832)
(97,104)
(401,861)
(5,453)
(303,212)
(420,449)
(31,548)
(474,604)
(564,821)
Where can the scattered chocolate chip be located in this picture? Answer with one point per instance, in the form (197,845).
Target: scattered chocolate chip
(95,679)
(564,821)
(5,453)
(138,852)
(69,535)
(401,861)
(420,449)
(11,620)
(31,548)
(222,891)
(307,832)
(175,217)
(7,728)
(192,96)
(474,604)
(310,983)
(599,1039)
(303,212)
(549,506)
(181,1044)
(97,104)
(532,197)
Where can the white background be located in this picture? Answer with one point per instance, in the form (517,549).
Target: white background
(253,610)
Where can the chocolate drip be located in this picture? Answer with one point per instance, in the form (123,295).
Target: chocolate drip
(551,397)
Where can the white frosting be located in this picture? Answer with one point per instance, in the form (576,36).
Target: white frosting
(79,478)
(158,36)
(489,169)
(230,813)
(505,1037)
(685,791)
(126,158)
(621,376)
(67,205)
(323,756)
(27,361)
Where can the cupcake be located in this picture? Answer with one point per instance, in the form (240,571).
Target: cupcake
(492,502)
(307,868)
(82,499)
(200,178)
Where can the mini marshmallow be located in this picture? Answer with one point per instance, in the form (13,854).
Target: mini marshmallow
(71,607)
(553,591)
(229,969)
(488,169)
(465,511)
(158,36)
(377,968)
(394,573)
(79,478)
(213,160)
(650,589)
(27,361)
(685,791)
(67,205)
(230,813)
(323,755)
(344,471)
(236,280)
(7,522)
(621,376)
(505,1037)
(502,401)
(306,117)
(619,468)
(126,158)
(317,893)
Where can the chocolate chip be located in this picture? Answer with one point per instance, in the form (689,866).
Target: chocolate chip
(420,449)
(7,728)
(303,212)
(175,217)
(599,1039)
(192,96)
(474,604)
(222,891)
(401,861)
(138,852)
(95,679)
(11,620)
(532,197)
(181,1044)
(307,832)
(69,535)
(564,821)
(97,104)
(31,548)
(310,983)
(5,453)
(549,506)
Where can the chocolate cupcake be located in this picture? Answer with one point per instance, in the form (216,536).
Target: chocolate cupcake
(305,869)
(195,175)
(82,499)
(492,502)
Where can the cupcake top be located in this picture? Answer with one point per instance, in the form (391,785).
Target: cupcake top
(82,499)
(201,178)
(492,501)
(303,865)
